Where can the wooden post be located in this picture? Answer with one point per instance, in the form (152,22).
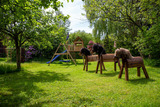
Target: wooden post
(114,66)
(138,71)
(67,59)
(70,55)
(84,62)
(103,66)
(101,63)
(54,54)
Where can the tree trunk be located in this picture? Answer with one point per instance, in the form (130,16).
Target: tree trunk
(18,58)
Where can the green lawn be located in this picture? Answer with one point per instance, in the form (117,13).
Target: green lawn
(67,85)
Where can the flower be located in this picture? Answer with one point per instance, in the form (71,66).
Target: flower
(30,53)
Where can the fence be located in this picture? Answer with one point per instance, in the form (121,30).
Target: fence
(10,53)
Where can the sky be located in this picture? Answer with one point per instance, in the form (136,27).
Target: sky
(75,10)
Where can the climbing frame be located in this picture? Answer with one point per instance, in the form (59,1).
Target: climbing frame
(67,53)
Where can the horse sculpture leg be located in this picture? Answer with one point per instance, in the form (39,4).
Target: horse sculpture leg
(97,66)
(145,72)
(138,71)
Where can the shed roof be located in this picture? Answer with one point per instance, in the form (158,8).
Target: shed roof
(78,38)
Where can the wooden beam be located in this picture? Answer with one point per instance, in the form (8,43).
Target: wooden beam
(54,54)
(61,53)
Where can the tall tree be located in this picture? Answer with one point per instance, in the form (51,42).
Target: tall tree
(131,15)
(53,30)
(19,19)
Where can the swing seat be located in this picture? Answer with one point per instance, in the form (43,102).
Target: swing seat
(64,60)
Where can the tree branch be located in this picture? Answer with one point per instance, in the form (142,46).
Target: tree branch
(7,32)
(129,17)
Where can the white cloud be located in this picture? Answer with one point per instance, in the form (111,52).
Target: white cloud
(75,9)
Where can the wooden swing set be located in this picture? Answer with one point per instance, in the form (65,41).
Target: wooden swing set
(67,53)
(76,47)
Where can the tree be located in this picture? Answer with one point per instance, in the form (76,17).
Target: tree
(19,19)
(136,12)
(150,43)
(86,37)
(127,17)
(53,30)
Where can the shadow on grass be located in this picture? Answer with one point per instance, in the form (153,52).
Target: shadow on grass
(69,63)
(90,71)
(75,102)
(17,89)
(140,81)
(109,74)
(104,73)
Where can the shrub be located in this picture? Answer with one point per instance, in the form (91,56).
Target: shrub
(152,62)
(148,42)
(30,53)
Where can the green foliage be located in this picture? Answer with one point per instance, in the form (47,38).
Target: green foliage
(108,45)
(99,30)
(18,21)
(86,37)
(71,0)
(149,42)
(122,20)
(40,3)
(50,34)
(152,62)
(23,20)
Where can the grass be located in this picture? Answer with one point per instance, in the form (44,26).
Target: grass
(67,85)
(7,68)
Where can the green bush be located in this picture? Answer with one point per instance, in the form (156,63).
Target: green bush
(7,68)
(152,62)
(149,42)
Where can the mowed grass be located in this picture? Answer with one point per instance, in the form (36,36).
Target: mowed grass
(67,85)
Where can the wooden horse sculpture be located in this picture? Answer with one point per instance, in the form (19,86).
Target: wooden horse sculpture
(107,58)
(91,58)
(103,57)
(128,61)
(88,58)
